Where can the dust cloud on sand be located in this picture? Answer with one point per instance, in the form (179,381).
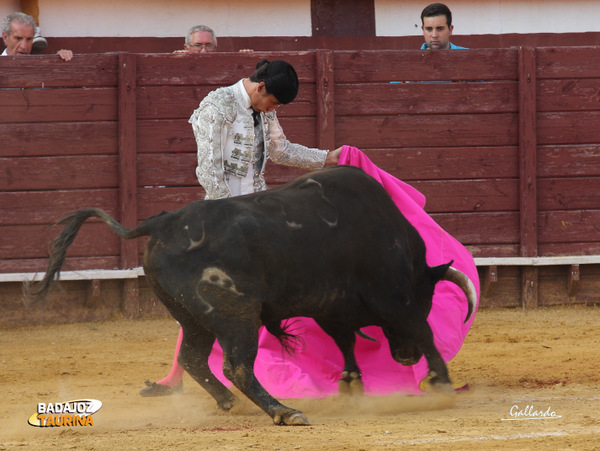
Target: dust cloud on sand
(535,361)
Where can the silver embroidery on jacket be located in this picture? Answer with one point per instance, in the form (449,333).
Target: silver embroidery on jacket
(224,132)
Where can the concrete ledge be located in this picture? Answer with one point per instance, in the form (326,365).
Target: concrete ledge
(88,274)
(538,261)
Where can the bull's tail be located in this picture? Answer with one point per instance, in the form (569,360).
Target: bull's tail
(35,292)
(289,341)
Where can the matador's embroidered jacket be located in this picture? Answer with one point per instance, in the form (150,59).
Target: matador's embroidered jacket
(231,150)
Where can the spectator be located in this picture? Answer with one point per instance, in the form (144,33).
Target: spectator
(236,131)
(199,39)
(18,33)
(436,23)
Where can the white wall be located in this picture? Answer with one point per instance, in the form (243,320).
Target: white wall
(293,18)
(403,18)
(170,18)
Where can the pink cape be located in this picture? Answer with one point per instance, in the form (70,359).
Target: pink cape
(313,371)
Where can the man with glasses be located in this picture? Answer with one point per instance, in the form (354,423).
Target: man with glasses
(199,39)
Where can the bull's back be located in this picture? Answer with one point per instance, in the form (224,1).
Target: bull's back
(326,230)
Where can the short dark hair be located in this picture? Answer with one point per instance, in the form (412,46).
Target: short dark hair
(279,77)
(437,9)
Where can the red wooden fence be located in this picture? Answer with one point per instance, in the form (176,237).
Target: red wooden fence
(501,141)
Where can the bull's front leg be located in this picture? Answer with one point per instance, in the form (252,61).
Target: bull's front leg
(350,382)
(239,353)
(422,338)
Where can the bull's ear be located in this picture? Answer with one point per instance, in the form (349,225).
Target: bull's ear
(438,272)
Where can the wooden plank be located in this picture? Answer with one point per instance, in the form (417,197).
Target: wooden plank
(367,132)
(127,155)
(58,105)
(162,136)
(301,130)
(507,291)
(440,163)
(65,304)
(529,287)
(568,95)
(569,193)
(569,226)
(489,281)
(481,228)
(276,174)
(568,62)
(47,173)
(527,156)
(131,299)
(217,69)
(178,102)
(325,94)
(66,138)
(41,263)
(568,160)
(158,169)
(456,196)
(421,65)
(153,201)
(153,44)
(49,71)
(571,248)
(416,98)
(570,127)
(554,290)
(31,241)
(573,277)
(493,250)
(47,207)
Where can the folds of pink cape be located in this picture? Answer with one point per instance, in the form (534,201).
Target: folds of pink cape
(314,369)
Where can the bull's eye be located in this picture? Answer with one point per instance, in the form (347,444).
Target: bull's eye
(214,279)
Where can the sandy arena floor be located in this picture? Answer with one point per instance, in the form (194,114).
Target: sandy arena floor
(545,360)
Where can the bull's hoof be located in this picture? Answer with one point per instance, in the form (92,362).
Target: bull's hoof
(357,388)
(154,389)
(226,406)
(350,384)
(294,418)
(439,384)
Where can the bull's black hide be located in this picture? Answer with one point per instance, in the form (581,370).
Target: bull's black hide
(330,245)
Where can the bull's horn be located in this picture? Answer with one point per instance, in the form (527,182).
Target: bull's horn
(360,333)
(461,279)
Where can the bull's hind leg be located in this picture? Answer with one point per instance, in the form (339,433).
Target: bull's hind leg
(240,345)
(235,320)
(350,382)
(193,357)
(196,345)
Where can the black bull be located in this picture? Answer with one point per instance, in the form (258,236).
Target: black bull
(330,245)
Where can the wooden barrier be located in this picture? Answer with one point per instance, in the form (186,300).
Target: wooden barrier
(500,141)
